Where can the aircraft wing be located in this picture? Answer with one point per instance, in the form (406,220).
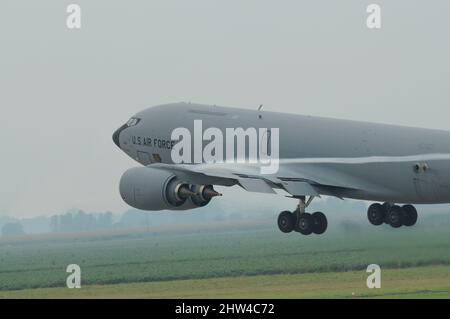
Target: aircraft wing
(297,179)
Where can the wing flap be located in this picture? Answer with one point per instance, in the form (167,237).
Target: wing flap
(256,185)
(300,189)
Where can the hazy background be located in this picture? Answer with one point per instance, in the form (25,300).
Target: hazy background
(63,92)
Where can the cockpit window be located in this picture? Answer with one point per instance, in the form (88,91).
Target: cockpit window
(133,121)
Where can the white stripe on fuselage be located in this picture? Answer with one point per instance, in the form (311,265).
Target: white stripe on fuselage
(367,159)
(339,160)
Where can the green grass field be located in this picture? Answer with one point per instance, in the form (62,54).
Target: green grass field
(254,262)
(419,282)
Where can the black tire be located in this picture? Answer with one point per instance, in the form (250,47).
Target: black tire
(320,223)
(305,224)
(286,221)
(395,216)
(376,214)
(386,207)
(410,215)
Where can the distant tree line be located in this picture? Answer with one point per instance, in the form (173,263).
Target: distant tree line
(12,229)
(74,221)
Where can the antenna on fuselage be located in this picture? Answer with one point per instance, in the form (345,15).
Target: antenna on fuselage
(259,109)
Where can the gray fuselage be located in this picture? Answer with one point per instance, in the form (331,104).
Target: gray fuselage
(303,137)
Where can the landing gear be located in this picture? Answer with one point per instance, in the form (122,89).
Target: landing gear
(376,214)
(301,221)
(320,223)
(286,221)
(410,215)
(305,224)
(393,215)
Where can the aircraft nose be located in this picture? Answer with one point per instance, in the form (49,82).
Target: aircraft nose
(116,135)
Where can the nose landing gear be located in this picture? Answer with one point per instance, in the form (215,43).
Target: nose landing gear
(301,221)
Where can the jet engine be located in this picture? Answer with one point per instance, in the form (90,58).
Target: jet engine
(154,189)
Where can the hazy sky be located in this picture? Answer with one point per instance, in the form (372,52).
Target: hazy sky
(63,92)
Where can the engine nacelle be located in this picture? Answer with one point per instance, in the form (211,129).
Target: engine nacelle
(153,189)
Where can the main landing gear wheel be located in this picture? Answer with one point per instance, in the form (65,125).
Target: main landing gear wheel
(409,215)
(305,224)
(286,221)
(320,223)
(395,216)
(376,214)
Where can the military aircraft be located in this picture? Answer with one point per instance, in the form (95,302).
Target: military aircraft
(394,166)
